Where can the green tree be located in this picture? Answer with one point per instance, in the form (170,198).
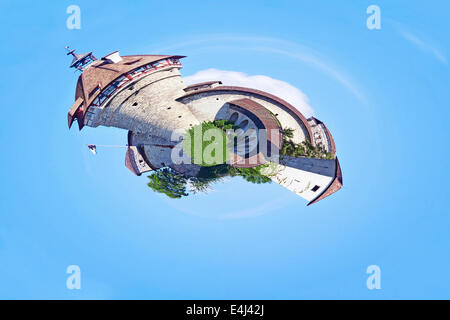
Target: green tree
(169,182)
(287,132)
(199,134)
(252,175)
(209,175)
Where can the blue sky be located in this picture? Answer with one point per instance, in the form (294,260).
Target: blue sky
(382,93)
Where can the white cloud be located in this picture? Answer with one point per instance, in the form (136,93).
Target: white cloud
(282,48)
(419,43)
(276,87)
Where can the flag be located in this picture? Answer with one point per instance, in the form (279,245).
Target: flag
(93,148)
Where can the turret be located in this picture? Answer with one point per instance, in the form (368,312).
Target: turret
(80,61)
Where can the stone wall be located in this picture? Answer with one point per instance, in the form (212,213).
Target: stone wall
(206,106)
(147,106)
(320,136)
(306,177)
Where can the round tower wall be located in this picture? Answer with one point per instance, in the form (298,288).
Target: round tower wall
(148,105)
(210,105)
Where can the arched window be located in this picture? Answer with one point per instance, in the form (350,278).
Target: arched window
(243,125)
(234,117)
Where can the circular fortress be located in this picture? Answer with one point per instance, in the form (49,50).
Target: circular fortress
(146,95)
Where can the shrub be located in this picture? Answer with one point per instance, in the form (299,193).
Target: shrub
(304,149)
(252,175)
(209,175)
(209,147)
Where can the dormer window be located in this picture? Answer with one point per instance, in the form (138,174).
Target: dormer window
(113,57)
(132,62)
(98,87)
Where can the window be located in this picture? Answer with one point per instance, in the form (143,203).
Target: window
(109,90)
(234,117)
(94,91)
(243,125)
(315,188)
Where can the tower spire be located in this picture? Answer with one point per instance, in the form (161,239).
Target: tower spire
(80,61)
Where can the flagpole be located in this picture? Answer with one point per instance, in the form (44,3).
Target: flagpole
(107,146)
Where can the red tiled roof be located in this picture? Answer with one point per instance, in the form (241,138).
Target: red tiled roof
(101,73)
(263,119)
(104,73)
(267,119)
(129,162)
(201,84)
(335,185)
(74,110)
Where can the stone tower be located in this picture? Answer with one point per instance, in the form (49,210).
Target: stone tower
(145,95)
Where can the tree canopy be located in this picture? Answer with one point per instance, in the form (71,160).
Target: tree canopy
(169,182)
